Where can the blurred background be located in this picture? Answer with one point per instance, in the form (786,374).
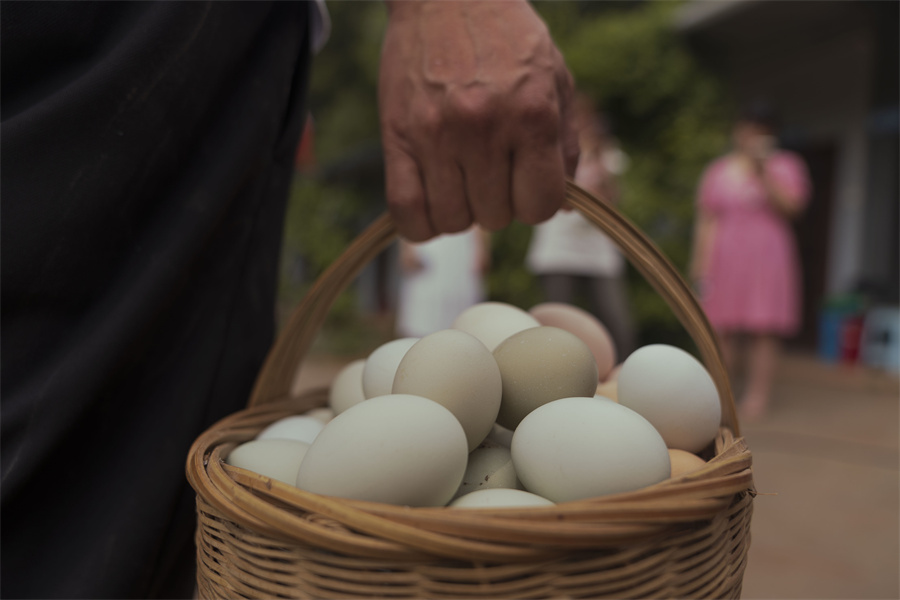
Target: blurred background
(669,77)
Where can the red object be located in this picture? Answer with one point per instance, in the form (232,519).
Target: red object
(851,337)
(306,155)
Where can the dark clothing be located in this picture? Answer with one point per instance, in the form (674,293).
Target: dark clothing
(147,150)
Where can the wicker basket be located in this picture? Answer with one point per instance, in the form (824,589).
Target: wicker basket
(684,537)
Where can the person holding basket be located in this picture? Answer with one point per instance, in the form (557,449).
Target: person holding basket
(148,149)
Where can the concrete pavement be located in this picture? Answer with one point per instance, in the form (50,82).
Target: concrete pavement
(828,455)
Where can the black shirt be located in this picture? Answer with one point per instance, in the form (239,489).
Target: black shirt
(146,153)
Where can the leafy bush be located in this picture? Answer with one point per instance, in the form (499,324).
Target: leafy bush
(669,115)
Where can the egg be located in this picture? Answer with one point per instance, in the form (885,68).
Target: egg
(540,365)
(323,414)
(684,462)
(347,387)
(397,449)
(381,366)
(493,322)
(614,374)
(301,428)
(500,498)
(489,468)
(576,448)
(455,370)
(584,325)
(673,391)
(274,458)
(609,389)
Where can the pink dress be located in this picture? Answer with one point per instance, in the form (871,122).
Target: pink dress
(753,281)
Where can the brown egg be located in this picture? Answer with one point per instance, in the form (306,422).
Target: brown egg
(609,389)
(540,365)
(584,325)
(684,462)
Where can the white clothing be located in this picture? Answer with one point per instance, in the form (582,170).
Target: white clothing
(570,244)
(449,282)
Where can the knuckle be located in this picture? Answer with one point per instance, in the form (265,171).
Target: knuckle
(539,113)
(472,108)
(429,121)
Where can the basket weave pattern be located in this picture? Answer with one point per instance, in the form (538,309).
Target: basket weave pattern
(256,537)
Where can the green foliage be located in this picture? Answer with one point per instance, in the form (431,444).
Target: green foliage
(669,116)
(343,97)
(508,280)
(321,222)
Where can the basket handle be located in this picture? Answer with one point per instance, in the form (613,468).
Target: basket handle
(277,375)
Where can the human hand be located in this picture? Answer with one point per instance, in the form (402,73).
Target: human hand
(759,149)
(475,104)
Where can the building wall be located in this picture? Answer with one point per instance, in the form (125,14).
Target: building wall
(822,92)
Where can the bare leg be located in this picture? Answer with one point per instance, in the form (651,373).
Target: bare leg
(763,357)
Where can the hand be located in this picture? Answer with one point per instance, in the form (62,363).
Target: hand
(759,149)
(475,116)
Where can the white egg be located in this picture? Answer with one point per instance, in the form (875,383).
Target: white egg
(500,498)
(576,448)
(299,427)
(493,322)
(347,387)
(274,458)
(455,370)
(398,449)
(489,468)
(674,391)
(381,365)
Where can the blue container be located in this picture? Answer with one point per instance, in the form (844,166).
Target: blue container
(831,322)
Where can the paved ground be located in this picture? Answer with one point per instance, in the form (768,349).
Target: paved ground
(829,451)
(827,466)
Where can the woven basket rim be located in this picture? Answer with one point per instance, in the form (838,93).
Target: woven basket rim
(616,520)
(507,536)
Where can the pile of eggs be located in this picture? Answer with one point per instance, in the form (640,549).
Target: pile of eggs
(507,408)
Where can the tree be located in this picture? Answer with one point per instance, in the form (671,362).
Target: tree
(670,116)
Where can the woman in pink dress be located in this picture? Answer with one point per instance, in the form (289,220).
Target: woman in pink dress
(745,259)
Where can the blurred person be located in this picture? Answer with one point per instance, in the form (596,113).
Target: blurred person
(745,261)
(439,279)
(147,153)
(569,253)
